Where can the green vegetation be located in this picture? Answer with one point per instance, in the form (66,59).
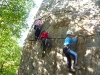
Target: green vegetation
(12,21)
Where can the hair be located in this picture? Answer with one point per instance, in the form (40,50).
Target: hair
(39,19)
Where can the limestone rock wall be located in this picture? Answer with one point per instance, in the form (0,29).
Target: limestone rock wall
(81,16)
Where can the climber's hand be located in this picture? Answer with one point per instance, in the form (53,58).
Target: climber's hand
(76,36)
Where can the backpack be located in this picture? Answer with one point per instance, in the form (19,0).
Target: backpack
(44,34)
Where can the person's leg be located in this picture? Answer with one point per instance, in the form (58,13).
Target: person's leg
(68,58)
(69,61)
(43,44)
(48,43)
(74,54)
(43,47)
(37,33)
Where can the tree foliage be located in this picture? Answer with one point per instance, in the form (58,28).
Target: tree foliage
(12,20)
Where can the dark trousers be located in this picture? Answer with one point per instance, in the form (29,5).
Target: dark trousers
(46,43)
(43,44)
(68,57)
(37,32)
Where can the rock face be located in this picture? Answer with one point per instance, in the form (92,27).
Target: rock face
(83,18)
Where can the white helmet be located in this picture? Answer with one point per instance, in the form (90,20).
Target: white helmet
(69,32)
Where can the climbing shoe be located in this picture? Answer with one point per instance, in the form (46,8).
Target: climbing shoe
(71,71)
(43,54)
(77,67)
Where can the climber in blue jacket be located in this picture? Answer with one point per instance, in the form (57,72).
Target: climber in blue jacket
(69,40)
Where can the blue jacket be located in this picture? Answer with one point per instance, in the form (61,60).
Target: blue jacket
(68,41)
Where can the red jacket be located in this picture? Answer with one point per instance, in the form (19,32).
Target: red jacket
(44,35)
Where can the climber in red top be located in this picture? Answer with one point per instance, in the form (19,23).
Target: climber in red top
(44,34)
(45,42)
